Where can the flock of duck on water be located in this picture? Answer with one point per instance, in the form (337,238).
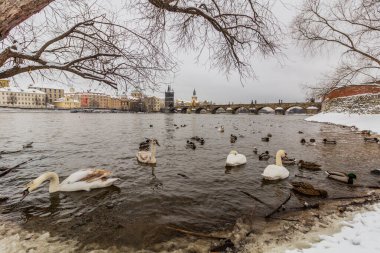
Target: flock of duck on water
(88,179)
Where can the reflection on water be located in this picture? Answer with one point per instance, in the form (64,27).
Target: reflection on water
(187,188)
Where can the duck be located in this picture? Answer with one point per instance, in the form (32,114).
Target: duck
(288,161)
(190,144)
(303,141)
(221,129)
(82,180)
(235,159)
(325,141)
(371,140)
(233,138)
(150,125)
(148,157)
(312,140)
(341,177)
(255,150)
(269,135)
(202,141)
(354,128)
(300,132)
(308,189)
(28,145)
(266,139)
(366,132)
(276,171)
(308,165)
(264,156)
(375,171)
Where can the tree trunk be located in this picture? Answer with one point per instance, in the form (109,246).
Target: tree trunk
(13,12)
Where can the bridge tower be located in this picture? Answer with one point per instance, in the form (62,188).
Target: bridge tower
(194,99)
(169,99)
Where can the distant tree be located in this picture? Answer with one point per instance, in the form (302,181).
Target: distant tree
(353,27)
(79,38)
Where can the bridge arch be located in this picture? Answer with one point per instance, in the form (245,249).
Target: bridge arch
(239,108)
(295,109)
(215,109)
(184,110)
(265,109)
(199,110)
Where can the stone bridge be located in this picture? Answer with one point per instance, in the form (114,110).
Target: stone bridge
(279,108)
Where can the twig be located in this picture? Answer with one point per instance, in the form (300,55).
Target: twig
(278,208)
(14,167)
(183,175)
(285,219)
(195,233)
(366,186)
(9,152)
(255,198)
(350,197)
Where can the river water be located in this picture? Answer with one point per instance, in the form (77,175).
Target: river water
(137,211)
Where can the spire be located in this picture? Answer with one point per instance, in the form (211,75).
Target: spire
(194,93)
(168,87)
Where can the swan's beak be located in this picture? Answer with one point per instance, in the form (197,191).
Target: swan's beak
(158,144)
(24,194)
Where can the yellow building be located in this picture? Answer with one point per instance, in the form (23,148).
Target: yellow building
(66,103)
(4,83)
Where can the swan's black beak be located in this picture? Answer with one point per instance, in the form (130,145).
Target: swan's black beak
(24,194)
(158,144)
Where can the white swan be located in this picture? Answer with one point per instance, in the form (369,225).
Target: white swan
(276,171)
(221,129)
(82,180)
(235,159)
(148,156)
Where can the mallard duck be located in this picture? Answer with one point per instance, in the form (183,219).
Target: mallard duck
(325,141)
(269,135)
(150,125)
(28,145)
(266,139)
(276,171)
(264,156)
(372,140)
(235,159)
(300,132)
(375,171)
(148,157)
(312,140)
(288,161)
(202,141)
(308,165)
(308,189)
(82,180)
(190,144)
(255,150)
(221,129)
(342,177)
(233,138)
(303,141)
(366,132)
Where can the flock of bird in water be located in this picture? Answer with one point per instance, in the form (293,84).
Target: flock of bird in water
(98,178)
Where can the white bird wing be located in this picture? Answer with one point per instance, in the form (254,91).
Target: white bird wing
(88,175)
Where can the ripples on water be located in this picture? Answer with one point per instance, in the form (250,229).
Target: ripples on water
(146,199)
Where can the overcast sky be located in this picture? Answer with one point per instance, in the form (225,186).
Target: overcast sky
(276,77)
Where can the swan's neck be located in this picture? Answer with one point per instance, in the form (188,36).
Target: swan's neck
(52,177)
(153,151)
(278,159)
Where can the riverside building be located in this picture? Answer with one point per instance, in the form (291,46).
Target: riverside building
(16,97)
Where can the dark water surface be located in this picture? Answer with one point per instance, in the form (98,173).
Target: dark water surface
(145,201)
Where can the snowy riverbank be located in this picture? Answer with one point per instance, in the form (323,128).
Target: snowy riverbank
(359,235)
(361,121)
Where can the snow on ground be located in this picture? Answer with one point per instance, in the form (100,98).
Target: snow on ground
(357,236)
(361,121)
